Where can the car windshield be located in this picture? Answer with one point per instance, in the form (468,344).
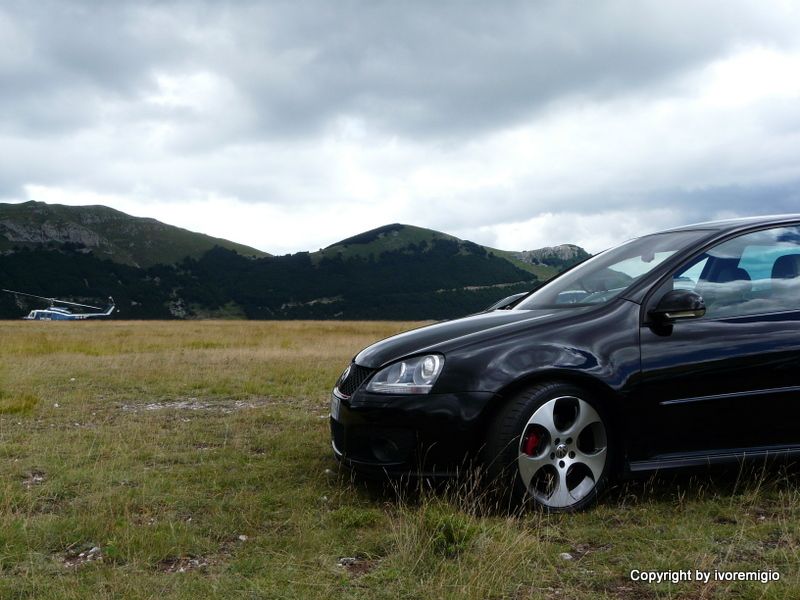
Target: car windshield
(606,275)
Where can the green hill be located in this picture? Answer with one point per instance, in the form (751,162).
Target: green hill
(398,236)
(154,270)
(394,237)
(105,233)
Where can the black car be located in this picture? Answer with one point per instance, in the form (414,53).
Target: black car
(674,349)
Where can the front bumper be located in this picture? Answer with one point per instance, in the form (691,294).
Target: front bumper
(427,435)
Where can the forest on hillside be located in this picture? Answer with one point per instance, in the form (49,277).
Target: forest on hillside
(433,280)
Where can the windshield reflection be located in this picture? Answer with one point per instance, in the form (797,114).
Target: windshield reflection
(606,275)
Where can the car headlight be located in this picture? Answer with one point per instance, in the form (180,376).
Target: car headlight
(411,376)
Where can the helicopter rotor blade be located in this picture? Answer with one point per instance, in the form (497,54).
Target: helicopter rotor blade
(53,300)
(27,294)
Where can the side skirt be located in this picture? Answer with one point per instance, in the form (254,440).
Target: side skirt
(698,459)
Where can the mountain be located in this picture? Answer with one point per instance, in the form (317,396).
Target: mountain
(382,239)
(392,272)
(558,257)
(105,233)
(543,263)
(389,237)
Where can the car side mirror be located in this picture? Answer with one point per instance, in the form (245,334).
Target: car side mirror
(678,305)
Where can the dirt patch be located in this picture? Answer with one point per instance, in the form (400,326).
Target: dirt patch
(75,557)
(620,589)
(357,566)
(196,404)
(778,541)
(724,520)
(761,513)
(184,564)
(207,446)
(625,589)
(581,550)
(33,478)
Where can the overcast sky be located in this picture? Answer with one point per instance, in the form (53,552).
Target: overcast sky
(290,125)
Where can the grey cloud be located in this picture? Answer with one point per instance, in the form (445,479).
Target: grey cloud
(743,200)
(415,69)
(445,68)
(73,58)
(437,76)
(687,205)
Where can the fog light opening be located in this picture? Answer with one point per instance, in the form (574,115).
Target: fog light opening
(386,450)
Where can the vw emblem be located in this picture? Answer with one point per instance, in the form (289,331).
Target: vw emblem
(561,451)
(345,374)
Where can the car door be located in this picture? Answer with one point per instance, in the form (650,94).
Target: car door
(727,382)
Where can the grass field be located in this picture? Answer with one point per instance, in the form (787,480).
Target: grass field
(192,460)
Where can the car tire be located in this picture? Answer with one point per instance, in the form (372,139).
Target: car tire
(550,447)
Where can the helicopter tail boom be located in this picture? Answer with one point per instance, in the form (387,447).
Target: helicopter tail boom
(106,313)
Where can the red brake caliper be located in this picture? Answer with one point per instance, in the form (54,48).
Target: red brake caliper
(531,442)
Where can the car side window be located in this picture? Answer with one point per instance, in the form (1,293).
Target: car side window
(690,276)
(754,273)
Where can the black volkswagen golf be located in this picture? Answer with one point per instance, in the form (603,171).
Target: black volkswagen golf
(674,349)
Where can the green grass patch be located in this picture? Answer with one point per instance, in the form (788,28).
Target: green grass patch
(11,404)
(192,460)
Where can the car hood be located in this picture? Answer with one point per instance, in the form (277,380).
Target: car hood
(432,337)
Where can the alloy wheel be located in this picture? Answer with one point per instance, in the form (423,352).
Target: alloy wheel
(562,452)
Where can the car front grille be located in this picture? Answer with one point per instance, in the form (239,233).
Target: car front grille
(355,377)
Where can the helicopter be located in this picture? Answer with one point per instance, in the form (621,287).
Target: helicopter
(62,313)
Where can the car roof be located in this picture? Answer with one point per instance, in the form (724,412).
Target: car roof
(739,223)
